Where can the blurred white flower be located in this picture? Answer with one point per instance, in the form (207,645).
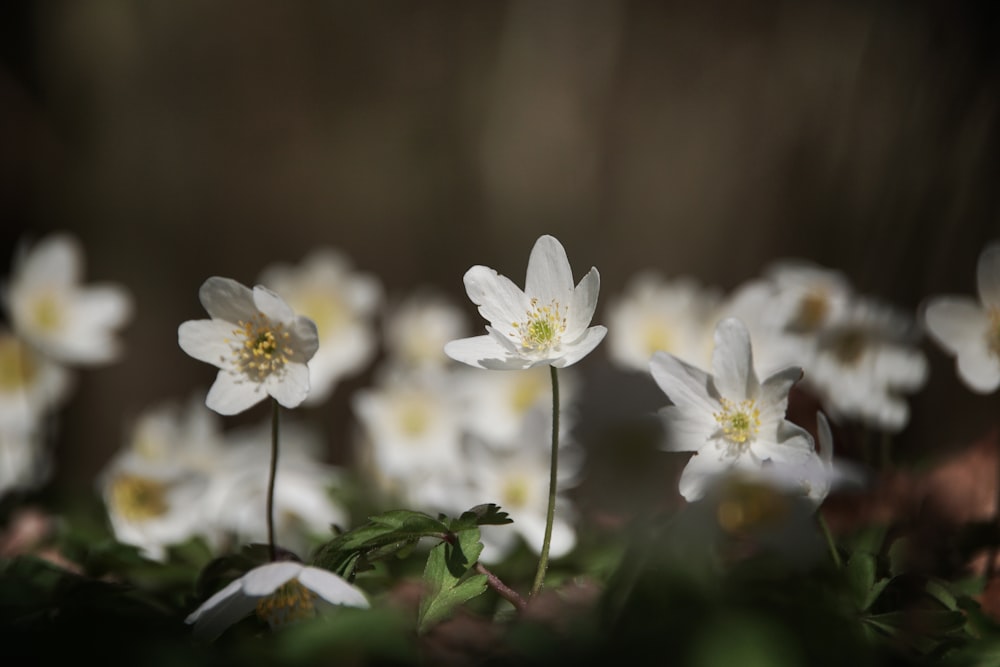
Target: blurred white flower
(280,593)
(807,297)
(25,462)
(659,315)
(970,329)
(342,303)
(417,329)
(495,405)
(256,340)
(152,506)
(50,310)
(547,323)
(729,419)
(30,384)
(863,364)
(303,506)
(411,423)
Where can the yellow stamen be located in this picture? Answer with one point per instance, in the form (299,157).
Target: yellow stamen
(17,366)
(812,312)
(47,313)
(264,348)
(516,492)
(543,328)
(740,422)
(138,498)
(289,603)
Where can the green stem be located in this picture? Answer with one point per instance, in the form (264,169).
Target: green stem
(543,559)
(829,541)
(270,482)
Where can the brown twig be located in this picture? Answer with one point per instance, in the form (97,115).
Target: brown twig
(502,589)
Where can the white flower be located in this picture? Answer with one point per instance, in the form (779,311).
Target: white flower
(30,384)
(25,463)
(807,297)
(260,346)
(496,404)
(417,330)
(970,330)
(341,303)
(280,593)
(730,420)
(862,365)
(548,323)
(657,315)
(152,506)
(50,310)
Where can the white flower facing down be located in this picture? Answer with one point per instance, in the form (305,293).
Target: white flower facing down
(280,593)
(547,323)
(970,331)
(260,346)
(731,420)
(50,310)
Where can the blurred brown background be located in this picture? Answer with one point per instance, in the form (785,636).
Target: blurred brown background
(185,139)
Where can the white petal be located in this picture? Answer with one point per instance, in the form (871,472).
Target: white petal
(500,301)
(956,322)
(232,394)
(685,385)
(485,352)
(979,368)
(222,610)
(686,430)
(988,275)
(701,470)
(55,260)
(205,340)
(732,361)
(332,588)
(549,273)
(226,299)
(266,579)
(306,339)
(795,450)
(774,392)
(582,347)
(583,303)
(291,387)
(272,305)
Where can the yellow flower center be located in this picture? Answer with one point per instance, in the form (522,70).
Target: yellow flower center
(657,337)
(740,422)
(262,348)
(289,603)
(46,312)
(812,312)
(17,366)
(525,391)
(516,492)
(326,310)
(543,328)
(138,498)
(747,505)
(413,419)
(993,334)
(849,346)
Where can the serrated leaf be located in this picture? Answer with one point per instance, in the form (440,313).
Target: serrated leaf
(448,579)
(488,514)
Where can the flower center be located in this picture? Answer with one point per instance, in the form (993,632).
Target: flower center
(656,337)
(993,334)
(525,391)
(264,348)
(413,418)
(515,492)
(290,602)
(739,422)
(812,311)
(543,328)
(848,347)
(327,310)
(139,498)
(46,312)
(17,368)
(747,505)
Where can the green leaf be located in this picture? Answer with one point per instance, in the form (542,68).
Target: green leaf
(481,515)
(861,578)
(448,578)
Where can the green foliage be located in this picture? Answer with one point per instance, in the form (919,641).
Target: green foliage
(448,578)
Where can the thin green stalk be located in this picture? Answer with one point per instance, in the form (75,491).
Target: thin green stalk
(270,482)
(543,559)
(829,540)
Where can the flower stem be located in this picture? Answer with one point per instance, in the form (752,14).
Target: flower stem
(270,482)
(502,589)
(543,559)
(829,540)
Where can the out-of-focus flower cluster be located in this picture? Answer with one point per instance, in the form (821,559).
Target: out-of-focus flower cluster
(54,326)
